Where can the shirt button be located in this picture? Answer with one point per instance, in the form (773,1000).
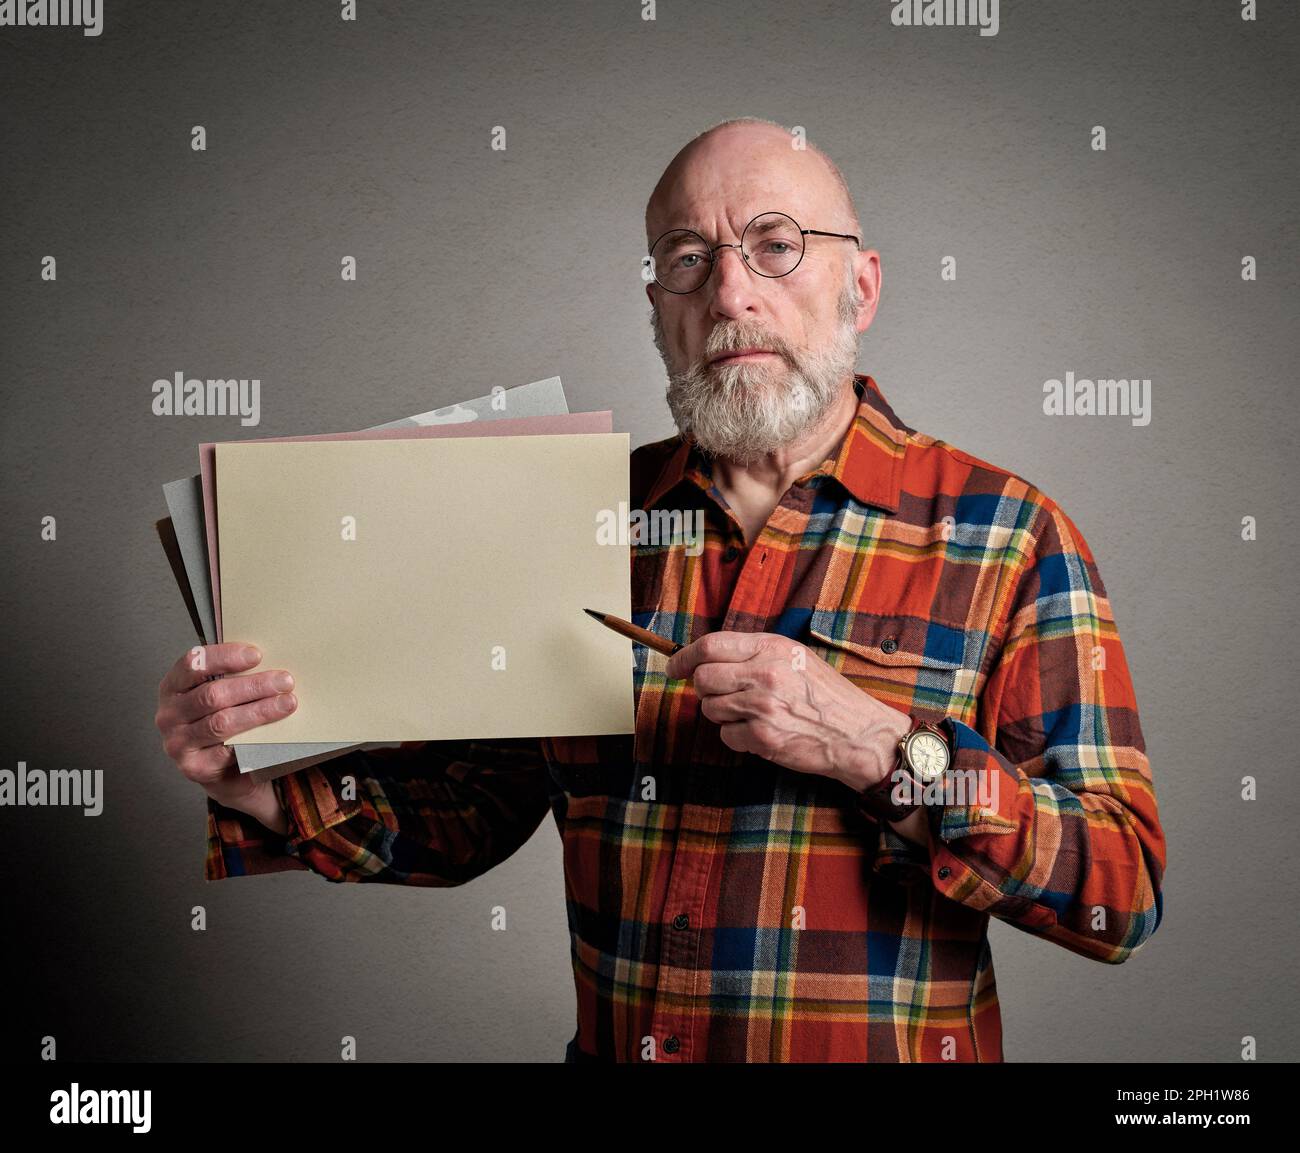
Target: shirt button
(731,553)
(672,1045)
(944,872)
(889,645)
(681,921)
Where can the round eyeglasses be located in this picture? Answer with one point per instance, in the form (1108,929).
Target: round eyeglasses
(771,245)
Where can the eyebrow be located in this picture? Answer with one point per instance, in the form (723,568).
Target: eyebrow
(773,224)
(679,241)
(675,242)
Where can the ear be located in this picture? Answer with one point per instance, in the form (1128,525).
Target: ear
(868,283)
(650,294)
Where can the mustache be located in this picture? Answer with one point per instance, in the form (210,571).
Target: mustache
(724,340)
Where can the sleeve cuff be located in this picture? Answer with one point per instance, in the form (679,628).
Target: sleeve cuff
(979,791)
(312,803)
(240,846)
(980,799)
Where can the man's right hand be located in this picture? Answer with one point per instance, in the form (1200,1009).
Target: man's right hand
(196,714)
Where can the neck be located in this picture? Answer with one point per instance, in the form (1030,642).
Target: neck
(777,470)
(753,490)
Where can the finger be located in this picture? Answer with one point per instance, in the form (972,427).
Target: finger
(207,766)
(737,735)
(226,691)
(713,678)
(226,723)
(204,661)
(726,708)
(720,646)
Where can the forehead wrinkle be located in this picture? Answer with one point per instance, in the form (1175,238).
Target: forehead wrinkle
(711,222)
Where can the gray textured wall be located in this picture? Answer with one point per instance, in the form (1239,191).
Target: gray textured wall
(479,268)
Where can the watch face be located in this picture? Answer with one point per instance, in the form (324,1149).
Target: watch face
(927,753)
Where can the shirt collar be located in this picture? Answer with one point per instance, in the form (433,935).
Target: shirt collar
(868,462)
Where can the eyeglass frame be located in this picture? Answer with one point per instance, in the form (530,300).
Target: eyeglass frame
(713,249)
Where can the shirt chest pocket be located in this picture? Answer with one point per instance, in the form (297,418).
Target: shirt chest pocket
(910,664)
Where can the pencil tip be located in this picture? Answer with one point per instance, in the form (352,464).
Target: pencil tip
(594,613)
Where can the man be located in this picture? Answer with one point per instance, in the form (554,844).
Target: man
(760,872)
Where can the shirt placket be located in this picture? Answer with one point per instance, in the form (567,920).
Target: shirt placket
(680,1020)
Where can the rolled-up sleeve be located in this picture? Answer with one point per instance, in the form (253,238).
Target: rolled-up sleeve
(435,813)
(240,846)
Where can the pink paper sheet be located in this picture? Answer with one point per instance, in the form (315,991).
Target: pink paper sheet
(572,422)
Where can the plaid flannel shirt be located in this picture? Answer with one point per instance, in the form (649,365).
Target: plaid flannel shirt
(722,907)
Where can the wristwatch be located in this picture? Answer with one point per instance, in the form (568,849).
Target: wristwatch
(924,755)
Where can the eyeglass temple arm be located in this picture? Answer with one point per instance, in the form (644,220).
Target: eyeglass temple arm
(840,235)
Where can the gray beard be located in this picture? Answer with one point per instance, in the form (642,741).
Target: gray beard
(744,411)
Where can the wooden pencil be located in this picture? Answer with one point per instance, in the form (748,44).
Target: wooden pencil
(636,633)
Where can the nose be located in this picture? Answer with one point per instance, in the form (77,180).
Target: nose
(733,283)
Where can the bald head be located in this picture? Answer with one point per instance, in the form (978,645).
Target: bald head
(750,163)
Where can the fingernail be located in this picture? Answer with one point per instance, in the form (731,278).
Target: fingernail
(282,681)
(252,654)
(288,702)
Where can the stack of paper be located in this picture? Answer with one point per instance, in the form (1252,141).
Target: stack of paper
(422,580)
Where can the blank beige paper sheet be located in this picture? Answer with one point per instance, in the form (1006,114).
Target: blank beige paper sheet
(456,611)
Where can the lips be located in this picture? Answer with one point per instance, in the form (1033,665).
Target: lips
(740,352)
